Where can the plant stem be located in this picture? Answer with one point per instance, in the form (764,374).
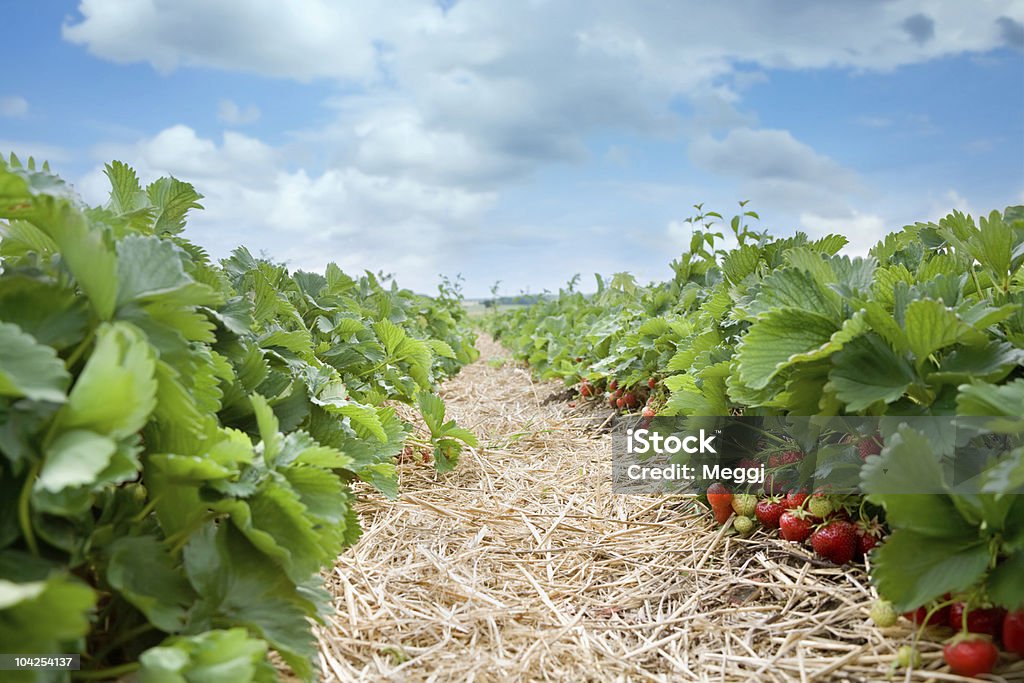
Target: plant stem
(24,511)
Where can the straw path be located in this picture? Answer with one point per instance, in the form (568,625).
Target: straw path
(522,565)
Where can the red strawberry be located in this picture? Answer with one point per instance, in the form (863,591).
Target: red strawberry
(586,390)
(649,412)
(794,527)
(939,618)
(613,385)
(970,656)
(869,446)
(620,403)
(768,512)
(1013,632)
(631,400)
(866,542)
(612,401)
(784,458)
(721,502)
(651,383)
(987,620)
(836,541)
(793,500)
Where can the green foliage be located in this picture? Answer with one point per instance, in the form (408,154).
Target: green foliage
(180,435)
(930,324)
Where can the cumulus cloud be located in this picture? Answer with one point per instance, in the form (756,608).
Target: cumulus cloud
(773,156)
(357,219)
(506,87)
(920,27)
(13,106)
(1011,31)
(229,112)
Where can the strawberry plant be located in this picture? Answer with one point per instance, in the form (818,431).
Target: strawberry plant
(178,436)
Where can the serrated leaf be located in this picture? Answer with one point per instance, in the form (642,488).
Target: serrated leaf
(930,326)
(30,369)
(116,390)
(775,338)
(75,458)
(171,199)
(144,573)
(866,371)
(910,569)
(210,657)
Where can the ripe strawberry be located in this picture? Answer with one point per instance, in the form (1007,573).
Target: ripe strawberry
(620,403)
(772,487)
(586,389)
(865,543)
(939,618)
(987,620)
(649,412)
(721,502)
(869,446)
(883,614)
(794,500)
(1013,632)
(631,400)
(613,385)
(744,504)
(743,525)
(970,656)
(836,541)
(794,527)
(784,458)
(768,512)
(820,506)
(651,383)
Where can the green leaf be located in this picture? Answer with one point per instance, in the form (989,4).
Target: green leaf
(867,371)
(75,458)
(148,267)
(172,199)
(911,569)
(1004,585)
(145,574)
(116,390)
(41,617)
(210,657)
(30,369)
(930,326)
(126,195)
(775,338)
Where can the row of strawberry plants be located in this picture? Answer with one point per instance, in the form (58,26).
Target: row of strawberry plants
(930,324)
(178,436)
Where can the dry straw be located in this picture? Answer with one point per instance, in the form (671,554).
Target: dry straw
(522,565)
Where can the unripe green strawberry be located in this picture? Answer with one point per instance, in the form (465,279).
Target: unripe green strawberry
(744,525)
(883,614)
(907,656)
(744,504)
(820,506)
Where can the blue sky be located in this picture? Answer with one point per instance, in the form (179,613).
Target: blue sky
(527,141)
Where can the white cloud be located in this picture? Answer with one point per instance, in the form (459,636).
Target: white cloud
(357,219)
(13,106)
(504,87)
(229,112)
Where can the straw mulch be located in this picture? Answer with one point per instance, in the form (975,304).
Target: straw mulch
(522,565)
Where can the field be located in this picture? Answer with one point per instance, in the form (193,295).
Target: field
(227,470)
